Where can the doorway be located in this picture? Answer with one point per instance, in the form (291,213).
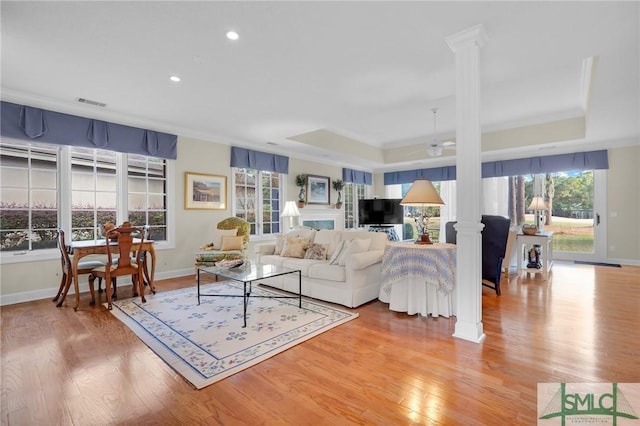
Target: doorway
(576,203)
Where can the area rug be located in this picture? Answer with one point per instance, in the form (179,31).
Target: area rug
(206,343)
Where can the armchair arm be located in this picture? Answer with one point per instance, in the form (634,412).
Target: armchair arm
(359,261)
(208,246)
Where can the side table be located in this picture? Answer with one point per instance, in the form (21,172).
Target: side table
(544,239)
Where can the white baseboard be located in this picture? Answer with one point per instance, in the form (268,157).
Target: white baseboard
(49,293)
(629,262)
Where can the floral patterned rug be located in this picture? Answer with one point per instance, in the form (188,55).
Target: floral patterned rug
(206,343)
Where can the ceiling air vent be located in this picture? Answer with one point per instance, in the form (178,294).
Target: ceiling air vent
(90,102)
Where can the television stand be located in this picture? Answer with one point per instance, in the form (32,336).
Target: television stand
(390,230)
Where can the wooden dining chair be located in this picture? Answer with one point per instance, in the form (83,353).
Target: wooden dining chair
(122,238)
(84,267)
(145,269)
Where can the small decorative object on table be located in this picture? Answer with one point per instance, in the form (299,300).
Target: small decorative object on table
(528,229)
(230,263)
(422,224)
(534,258)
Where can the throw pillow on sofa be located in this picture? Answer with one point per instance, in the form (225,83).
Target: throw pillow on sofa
(303,232)
(329,237)
(295,247)
(280,240)
(338,252)
(357,245)
(316,252)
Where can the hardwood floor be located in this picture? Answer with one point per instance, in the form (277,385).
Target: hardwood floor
(86,368)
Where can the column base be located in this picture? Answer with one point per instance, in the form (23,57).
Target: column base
(471,332)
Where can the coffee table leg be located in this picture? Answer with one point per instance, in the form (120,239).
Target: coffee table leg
(300,289)
(246,302)
(198,273)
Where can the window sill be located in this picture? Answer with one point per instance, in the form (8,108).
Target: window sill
(28,256)
(8,258)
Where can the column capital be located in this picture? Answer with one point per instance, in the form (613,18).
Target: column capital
(476,36)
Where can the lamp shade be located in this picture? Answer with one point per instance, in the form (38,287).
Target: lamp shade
(290,210)
(422,193)
(537,204)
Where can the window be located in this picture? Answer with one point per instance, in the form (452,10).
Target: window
(147,189)
(94,192)
(257,199)
(28,201)
(352,193)
(45,186)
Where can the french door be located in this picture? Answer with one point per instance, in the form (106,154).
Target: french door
(580,225)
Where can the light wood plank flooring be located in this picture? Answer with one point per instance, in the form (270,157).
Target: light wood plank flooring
(61,367)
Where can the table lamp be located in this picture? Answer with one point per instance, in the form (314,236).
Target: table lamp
(290,211)
(422,193)
(538,205)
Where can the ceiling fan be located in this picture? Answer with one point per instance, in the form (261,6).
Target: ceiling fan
(436,147)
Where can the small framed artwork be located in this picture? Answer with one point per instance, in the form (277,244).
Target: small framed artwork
(318,189)
(206,192)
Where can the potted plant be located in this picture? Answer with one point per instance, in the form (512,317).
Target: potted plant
(338,185)
(301,182)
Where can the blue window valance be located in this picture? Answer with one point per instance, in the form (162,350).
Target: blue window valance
(436,174)
(264,161)
(356,176)
(38,125)
(592,160)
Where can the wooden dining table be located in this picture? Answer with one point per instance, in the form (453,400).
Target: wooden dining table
(80,249)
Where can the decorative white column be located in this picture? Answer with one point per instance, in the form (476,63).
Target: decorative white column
(466,45)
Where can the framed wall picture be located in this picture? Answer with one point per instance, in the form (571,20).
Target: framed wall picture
(318,189)
(206,192)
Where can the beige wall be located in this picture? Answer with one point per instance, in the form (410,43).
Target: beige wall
(623,204)
(39,280)
(297,166)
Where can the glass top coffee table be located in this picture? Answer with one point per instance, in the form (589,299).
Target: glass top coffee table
(247,274)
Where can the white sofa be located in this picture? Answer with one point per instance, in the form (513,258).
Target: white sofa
(353,282)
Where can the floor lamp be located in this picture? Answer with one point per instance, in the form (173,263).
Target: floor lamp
(290,211)
(422,193)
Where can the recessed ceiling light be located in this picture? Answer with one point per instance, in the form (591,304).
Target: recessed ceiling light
(232,35)
(174,78)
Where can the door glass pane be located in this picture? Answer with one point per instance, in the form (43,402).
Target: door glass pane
(570,198)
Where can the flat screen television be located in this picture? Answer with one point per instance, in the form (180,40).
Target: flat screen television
(380,211)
